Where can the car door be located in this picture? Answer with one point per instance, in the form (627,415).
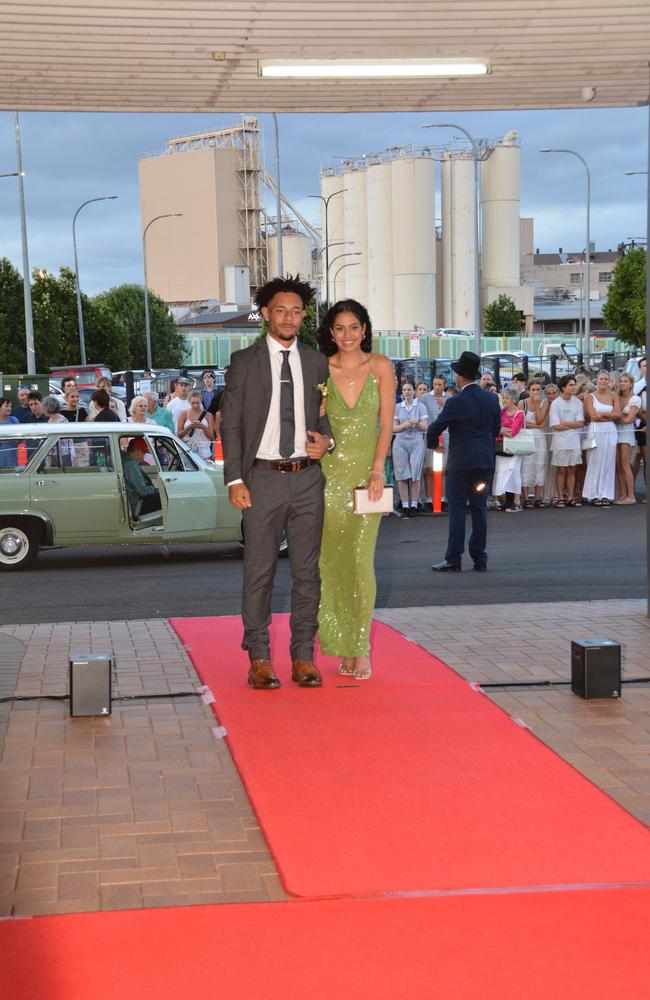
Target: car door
(75,483)
(191,508)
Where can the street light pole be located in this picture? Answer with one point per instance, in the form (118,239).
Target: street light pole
(348,253)
(352,263)
(27,288)
(477,209)
(82,340)
(278,197)
(147,328)
(326,202)
(587,321)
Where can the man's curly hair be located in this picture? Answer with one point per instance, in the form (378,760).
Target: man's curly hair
(290,283)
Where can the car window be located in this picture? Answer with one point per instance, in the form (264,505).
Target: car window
(78,455)
(172,457)
(16,453)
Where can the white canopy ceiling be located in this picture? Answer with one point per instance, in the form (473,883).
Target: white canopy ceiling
(202,55)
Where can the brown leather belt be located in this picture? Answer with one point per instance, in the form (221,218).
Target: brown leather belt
(285,464)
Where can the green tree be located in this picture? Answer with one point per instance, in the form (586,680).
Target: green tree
(13,355)
(126,304)
(56,327)
(502,317)
(624,310)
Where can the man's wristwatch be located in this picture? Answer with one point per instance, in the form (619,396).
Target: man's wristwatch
(332,446)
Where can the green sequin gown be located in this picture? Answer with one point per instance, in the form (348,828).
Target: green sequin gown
(348,587)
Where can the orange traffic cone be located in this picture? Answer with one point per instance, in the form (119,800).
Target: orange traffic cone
(218,450)
(22,454)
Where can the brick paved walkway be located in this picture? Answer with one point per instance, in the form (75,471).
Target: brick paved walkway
(146,808)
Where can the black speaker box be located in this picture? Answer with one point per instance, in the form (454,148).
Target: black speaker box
(90,684)
(596,668)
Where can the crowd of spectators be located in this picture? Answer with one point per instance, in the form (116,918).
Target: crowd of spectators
(588,437)
(585,441)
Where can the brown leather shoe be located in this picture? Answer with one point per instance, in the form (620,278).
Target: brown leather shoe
(261,676)
(305,674)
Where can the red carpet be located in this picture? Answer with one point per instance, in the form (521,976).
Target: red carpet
(526,946)
(413,782)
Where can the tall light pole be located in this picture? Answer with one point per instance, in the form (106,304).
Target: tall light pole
(477,208)
(278,195)
(348,253)
(352,263)
(27,288)
(147,328)
(326,202)
(587,322)
(80,315)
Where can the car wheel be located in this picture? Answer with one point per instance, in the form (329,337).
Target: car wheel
(18,546)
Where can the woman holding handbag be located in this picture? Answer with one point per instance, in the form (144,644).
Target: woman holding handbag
(507,470)
(360,399)
(533,466)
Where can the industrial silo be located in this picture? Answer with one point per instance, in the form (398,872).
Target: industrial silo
(380,300)
(446,195)
(296,254)
(414,242)
(458,222)
(352,281)
(330,183)
(500,214)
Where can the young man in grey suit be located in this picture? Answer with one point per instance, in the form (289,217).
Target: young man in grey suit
(273,439)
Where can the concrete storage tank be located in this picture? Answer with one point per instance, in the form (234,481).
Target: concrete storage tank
(459,215)
(352,282)
(414,242)
(296,255)
(500,214)
(380,246)
(329,184)
(444,265)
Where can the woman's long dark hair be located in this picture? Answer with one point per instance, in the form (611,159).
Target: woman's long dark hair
(326,341)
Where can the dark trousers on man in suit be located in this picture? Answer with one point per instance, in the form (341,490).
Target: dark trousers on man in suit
(463,486)
(291,502)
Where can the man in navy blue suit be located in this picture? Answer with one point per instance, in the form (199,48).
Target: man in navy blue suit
(473,418)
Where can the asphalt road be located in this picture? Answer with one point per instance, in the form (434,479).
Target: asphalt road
(537,555)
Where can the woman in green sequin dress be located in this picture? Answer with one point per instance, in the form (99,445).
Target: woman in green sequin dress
(360,399)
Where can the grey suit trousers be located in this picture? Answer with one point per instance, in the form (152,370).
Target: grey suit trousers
(292,502)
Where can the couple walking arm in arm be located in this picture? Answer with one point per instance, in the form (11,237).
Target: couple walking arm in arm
(275,431)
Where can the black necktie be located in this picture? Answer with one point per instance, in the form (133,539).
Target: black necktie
(287,422)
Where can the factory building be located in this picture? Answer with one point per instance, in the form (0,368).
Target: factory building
(381,223)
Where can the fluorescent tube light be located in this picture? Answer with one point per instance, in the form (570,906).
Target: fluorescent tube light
(341,69)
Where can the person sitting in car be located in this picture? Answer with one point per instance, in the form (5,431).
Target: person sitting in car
(142,494)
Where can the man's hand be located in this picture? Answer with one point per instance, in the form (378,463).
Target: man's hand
(239,496)
(316,445)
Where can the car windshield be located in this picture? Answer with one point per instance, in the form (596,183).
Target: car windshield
(17,453)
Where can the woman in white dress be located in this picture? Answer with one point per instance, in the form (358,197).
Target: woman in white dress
(602,409)
(533,467)
(630,406)
(196,426)
(551,392)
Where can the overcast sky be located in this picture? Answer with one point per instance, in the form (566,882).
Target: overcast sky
(71,157)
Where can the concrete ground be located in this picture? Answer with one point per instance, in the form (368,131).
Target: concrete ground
(145,808)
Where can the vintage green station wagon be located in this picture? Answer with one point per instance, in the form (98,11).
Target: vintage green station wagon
(64,484)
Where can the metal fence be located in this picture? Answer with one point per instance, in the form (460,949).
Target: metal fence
(547,369)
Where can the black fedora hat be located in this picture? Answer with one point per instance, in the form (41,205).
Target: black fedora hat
(468,365)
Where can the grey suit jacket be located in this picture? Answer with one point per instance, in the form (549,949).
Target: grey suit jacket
(247,398)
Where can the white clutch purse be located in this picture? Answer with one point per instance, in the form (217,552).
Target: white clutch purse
(364,505)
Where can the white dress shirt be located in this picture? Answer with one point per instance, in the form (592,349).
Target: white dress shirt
(270,444)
